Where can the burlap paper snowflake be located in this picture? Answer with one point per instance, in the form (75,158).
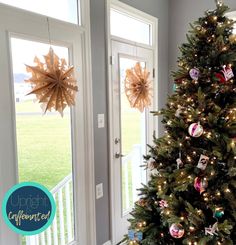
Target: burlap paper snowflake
(53,82)
(138,87)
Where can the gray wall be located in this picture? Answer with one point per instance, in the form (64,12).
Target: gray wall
(98,12)
(183,12)
(159,9)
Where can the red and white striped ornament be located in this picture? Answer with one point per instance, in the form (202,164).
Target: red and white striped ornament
(195,130)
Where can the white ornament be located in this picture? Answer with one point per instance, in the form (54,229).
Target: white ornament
(212,230)
(151,166)
(179,161)
(228,73)
(179,111)
(203,161)
(150,163)
(195,130)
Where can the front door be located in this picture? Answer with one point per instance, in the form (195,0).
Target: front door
(132,130)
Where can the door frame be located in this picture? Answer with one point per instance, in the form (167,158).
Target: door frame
(85,233)
(124,8)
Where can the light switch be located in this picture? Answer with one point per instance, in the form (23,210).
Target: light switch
(99,191)
(101,120)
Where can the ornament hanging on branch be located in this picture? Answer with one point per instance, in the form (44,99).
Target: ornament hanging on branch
(218,212)
(203,161)
(135,235)
(194,74)
(152,166)
(179,162)
(53,82)
(176,230)
(212,230)
(151,163)
(219,77)
(219,2)
(200,184)
(141,202)
(163,204)
(138,87)
(179,111)
(225,75)
(195,130)
(228,73)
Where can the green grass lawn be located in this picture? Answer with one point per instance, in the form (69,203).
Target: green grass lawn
(44,146)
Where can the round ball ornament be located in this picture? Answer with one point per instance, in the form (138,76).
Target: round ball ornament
(174,87)
(219,213)
(200,184)
(194,73)
(195,130)
(176,230)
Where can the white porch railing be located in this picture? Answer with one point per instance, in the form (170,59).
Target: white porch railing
(132,177)
(62,230)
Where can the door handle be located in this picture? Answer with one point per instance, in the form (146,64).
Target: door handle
(118,155)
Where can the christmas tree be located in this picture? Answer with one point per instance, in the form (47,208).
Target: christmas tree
(191,195)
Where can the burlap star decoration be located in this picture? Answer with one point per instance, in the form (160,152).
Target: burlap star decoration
(138,87)
(53,82)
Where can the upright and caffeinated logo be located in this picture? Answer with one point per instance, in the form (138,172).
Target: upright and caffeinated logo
(28,208)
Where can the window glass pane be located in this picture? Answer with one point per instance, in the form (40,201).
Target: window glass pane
(43,143)
(234,30)
(127,27)
(65,10)
(133,142)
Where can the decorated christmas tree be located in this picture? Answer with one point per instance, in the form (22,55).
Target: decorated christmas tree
(191,195)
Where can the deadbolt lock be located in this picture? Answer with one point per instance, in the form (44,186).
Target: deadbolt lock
(117,141)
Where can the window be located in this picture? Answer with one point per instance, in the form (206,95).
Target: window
(133,142)
(43,142)
(66,10)
(130,28)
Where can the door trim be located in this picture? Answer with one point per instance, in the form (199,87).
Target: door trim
(109,38)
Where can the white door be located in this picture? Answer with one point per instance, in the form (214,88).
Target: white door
(45,149)
(132,130)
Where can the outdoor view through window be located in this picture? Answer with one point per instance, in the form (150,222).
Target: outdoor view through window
(66,10)
(43,143)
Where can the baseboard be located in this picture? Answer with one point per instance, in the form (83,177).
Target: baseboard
(107,243)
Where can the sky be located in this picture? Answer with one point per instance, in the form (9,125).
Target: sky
(24,51)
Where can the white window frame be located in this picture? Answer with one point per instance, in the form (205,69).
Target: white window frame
(130,11)
(136,14)
(85,232)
